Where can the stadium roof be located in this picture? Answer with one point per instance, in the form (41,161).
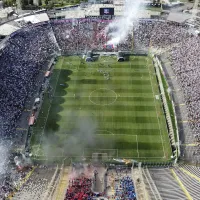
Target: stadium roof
(71,14)
(5,12)
(34,18)
(178,17)
(7,29)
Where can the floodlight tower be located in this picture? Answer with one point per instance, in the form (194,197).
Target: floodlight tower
(195,10)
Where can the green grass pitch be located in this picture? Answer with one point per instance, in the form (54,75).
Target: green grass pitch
(102,106)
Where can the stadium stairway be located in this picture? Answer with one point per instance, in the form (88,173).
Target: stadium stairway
(192,171)
(21,183)
(140,189)
(180,182)
(52,184)
(62,184)
(167,186)
(111,182)
(190,181)
(36,185)
(150,185)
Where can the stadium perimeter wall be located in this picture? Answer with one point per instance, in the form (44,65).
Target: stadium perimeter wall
(158,67)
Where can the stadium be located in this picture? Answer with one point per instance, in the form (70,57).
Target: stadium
(99,105)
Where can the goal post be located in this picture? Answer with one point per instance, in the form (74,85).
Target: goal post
(101,154)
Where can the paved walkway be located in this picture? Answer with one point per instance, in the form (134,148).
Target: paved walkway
(62,185)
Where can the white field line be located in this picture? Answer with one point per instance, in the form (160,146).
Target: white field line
(97,149)
(156,109)
(49,109)
(102,149)
(90,96)
(136,136)
(115,134)
(112,121)
(137,146)
(130,65)
(107,149)
(106,134)
(152,157)
(104,130)
(72,96)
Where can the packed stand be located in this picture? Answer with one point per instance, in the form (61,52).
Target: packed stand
(26,53)
(183,47)
(158,34)
(81,35)
(125,190)
(79,189)
(28,50)
(185,63)
(119,184)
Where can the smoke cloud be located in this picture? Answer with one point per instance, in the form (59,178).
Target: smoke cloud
(119,29)
(71,143)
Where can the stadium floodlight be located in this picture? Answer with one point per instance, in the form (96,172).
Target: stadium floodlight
(195,9)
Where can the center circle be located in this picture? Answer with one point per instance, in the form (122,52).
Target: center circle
(103,96)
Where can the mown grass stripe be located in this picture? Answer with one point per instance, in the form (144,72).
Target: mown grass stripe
(108,119)
(117,125)
(91,107)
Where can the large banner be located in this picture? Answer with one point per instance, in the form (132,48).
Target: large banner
(106,17)
(106,11)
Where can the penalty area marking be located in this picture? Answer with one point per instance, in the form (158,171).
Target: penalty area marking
(111,133)
(103,130)
(90,96)
(137,146)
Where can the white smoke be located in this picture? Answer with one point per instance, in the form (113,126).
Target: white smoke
(4,152)
(18,161)
(120,28)
(74,141)
(22,161)
(167,2)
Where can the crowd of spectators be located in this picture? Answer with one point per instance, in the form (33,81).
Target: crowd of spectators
(185,63)
(81,35)
(79,189)
(119,184)
(26,53)
(125,190)
(158,34)
(23,56)
(183,46)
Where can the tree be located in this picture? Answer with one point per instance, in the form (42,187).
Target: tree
(8,3)
(76,1)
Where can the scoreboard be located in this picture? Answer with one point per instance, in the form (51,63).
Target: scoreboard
(106,11)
